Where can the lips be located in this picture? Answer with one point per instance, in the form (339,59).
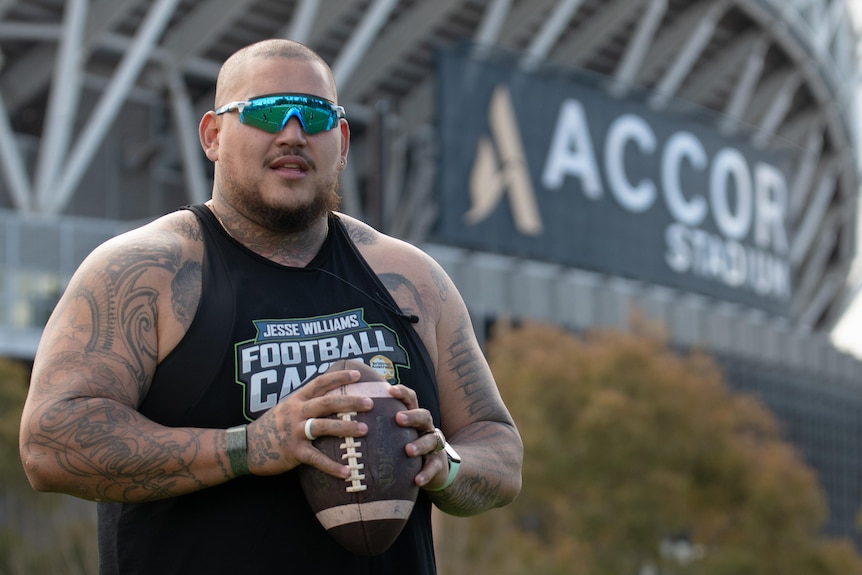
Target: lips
(296,163)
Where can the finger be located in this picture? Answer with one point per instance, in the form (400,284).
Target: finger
(434,465)
(316,427)
(316,458)
(419,418)
(328,381)
(335,403)
(329,426)
(425,444)
(405,394)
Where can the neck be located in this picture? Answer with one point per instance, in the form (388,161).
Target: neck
(295,249)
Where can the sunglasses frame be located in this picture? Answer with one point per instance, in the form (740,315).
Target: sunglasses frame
(295,102)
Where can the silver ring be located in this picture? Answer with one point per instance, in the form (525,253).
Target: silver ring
(441,439)
(308,429)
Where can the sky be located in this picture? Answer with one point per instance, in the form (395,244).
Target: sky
(847,334)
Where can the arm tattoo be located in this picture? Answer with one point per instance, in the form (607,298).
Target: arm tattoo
(94,437)
(87,420)
(397,284)
(440,281)
(473,493)
(470,380)
(185,288)
(129,314)
(491,427)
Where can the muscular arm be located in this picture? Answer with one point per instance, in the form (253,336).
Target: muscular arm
(123,312)
(80,431)
(475,421)
(473,416)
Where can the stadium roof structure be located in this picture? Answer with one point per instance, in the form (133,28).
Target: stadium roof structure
(783,73)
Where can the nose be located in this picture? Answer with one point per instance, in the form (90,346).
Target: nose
(292,133)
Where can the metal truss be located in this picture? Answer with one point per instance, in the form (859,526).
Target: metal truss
(782,73)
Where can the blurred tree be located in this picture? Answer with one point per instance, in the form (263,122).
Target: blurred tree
(40,533)
(13,391)
(640,461)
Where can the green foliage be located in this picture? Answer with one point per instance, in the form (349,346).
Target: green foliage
(65,549)
(13,391)
(630,446)
(43,533)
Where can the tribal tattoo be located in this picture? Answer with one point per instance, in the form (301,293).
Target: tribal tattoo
(86,394)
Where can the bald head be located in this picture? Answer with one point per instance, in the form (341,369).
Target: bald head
(242,62)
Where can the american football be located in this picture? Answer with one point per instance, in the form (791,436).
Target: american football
(366,512)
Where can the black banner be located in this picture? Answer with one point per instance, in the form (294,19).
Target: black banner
(545,166)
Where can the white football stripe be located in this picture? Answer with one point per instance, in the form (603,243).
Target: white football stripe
(372,511)
(366,389)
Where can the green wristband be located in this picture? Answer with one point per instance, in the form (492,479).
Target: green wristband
(237,450)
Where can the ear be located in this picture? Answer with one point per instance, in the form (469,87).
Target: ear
(345,141)
(208,132)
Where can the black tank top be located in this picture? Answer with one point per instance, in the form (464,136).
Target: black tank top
(261,331)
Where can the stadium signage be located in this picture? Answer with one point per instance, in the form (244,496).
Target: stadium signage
(759,205)
(550,168)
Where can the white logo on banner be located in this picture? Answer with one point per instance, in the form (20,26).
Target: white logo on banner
(494,174)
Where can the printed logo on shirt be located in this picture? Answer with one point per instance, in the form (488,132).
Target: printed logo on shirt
(285,354)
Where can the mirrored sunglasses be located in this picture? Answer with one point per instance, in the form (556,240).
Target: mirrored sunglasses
(271,113)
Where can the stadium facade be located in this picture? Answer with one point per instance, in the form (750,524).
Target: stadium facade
(567,161)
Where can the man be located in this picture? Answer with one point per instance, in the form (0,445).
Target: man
(183,374)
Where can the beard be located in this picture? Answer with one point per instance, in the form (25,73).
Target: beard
(290,220)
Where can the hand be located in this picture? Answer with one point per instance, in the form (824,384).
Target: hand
(436,467)
(277,442)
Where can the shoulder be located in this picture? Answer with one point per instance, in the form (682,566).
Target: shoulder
(181,226)
(403,268)
(362,234)
(170,238)
(143,264)
(150,275)
(387,254)
(375,245)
